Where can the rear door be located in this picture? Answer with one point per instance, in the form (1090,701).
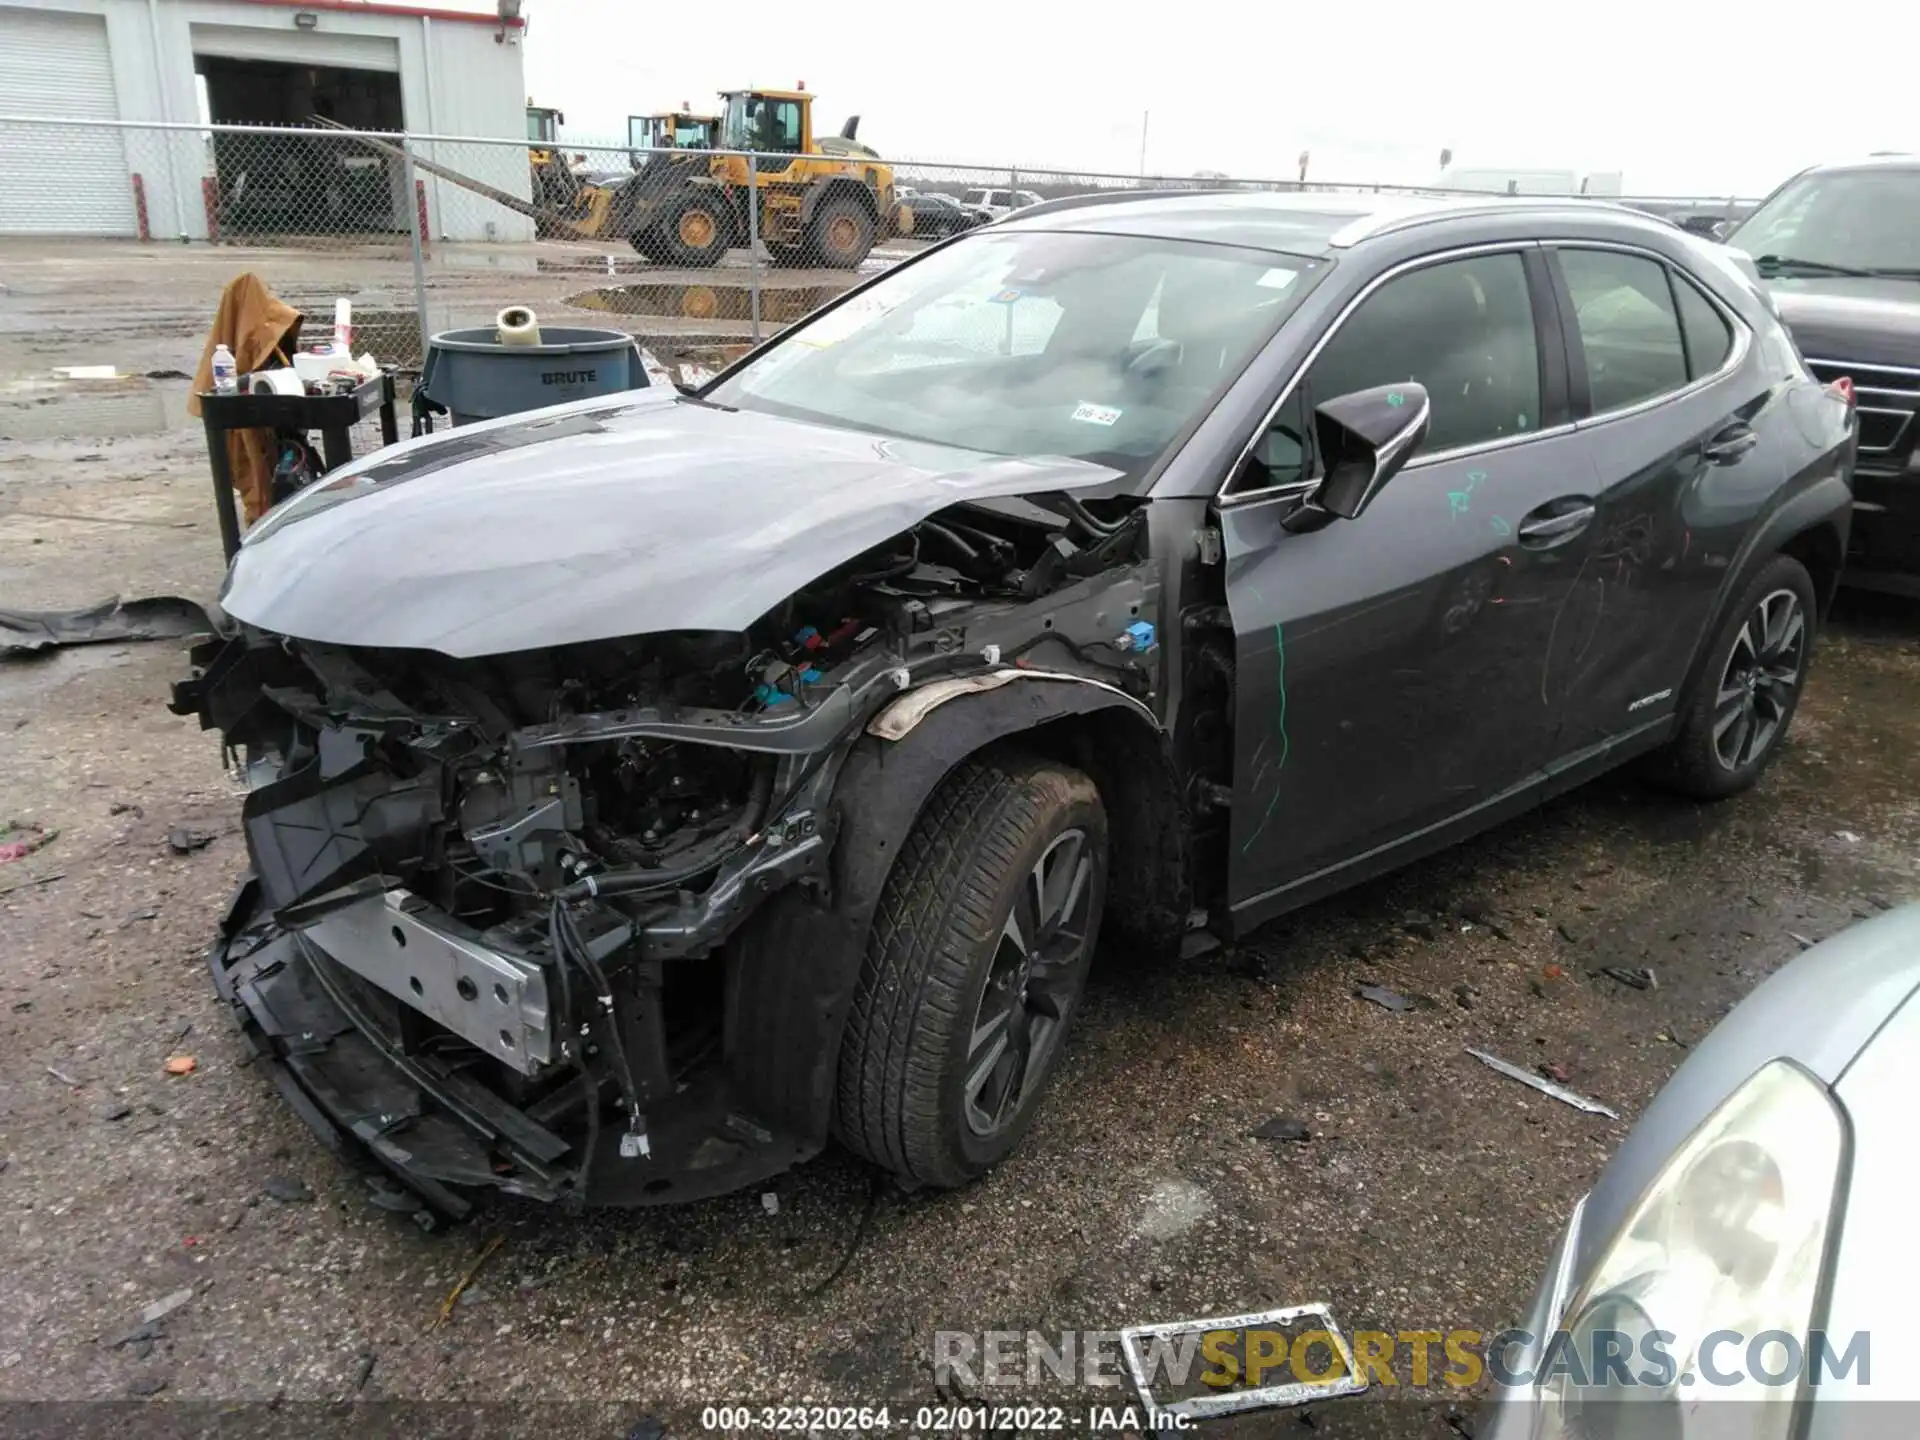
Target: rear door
(1389,668)
(1655,374)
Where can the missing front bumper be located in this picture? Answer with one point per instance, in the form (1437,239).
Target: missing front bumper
(435,1124)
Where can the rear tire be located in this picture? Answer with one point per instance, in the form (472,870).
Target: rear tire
(841,233)
(1744,701)
(974,968)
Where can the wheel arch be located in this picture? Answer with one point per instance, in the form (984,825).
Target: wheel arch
(1811,526)
(792,969)
(832,189)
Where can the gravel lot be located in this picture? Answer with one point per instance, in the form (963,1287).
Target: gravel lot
(1426,1197)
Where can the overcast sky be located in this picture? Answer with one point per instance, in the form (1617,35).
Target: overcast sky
(1681,96)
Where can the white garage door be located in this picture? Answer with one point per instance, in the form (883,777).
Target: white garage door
(61,180)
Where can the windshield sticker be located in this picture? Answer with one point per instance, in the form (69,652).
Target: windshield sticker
(1006,297)
(1277,279)
(1095,414)
(837,324)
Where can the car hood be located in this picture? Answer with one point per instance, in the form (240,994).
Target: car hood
(1865,320)
(597,519)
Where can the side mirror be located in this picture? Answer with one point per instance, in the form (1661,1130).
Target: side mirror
(1363,439)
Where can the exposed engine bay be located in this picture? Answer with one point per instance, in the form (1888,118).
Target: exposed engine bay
(500,874)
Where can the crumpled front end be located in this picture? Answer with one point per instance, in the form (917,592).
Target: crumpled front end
(565,922)
(465,920)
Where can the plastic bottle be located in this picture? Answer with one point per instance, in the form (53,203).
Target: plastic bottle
(226,375)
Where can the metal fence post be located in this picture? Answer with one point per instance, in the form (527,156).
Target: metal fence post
(414,242)
(753,242)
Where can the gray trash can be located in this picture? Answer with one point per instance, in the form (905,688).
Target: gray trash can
(477,378)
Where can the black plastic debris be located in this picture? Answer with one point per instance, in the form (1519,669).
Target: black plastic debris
(1386,999)
(1479,911)
(1640,979)
(147,1385)
(145,1333)
(1282,1127)
(287,1190)
(185,841)
(159,617)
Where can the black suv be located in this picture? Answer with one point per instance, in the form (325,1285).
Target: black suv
(1839,246)
(647,788)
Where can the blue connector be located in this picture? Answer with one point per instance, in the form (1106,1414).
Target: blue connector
(1139,636)
(770,697)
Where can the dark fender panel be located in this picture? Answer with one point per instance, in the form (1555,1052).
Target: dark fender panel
(1825,502)
(793,968)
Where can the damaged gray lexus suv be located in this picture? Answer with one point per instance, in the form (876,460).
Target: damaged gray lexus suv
(646,790)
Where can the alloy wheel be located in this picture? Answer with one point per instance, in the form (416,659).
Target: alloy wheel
(1762,674)
(1038,965)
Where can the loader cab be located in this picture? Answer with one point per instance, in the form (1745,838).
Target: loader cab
(768,122)
(543,124)
(681,130)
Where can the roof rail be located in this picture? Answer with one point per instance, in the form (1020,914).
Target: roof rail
(1112,197)
(1386,222)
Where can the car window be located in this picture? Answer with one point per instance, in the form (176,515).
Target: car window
(1462,328)
(1709,337)
(1626,325)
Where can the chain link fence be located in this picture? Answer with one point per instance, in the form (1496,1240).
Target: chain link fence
(117,250)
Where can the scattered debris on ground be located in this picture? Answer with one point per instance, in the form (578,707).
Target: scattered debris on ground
(453,1295)
(185,841)
(182,1065)
(1640,979)
(1282,1127)
(20,838)
(165,1306)
(162,617)
(287,1189)
(1545,1087)
(1386,999)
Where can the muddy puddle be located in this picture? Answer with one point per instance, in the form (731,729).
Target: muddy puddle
(779,305)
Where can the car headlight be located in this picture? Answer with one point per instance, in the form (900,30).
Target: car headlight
(1727,1241)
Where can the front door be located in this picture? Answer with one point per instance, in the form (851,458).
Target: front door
(1391,669)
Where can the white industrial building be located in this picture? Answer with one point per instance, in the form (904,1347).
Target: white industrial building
(371,66)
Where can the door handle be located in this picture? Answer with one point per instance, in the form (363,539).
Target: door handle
(1542,531)
(1730,444)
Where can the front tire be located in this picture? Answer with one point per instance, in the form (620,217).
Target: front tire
(841,235)
(974,968)
(1746,696)
(697,233)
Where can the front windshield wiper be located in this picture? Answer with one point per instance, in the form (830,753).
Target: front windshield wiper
(1788,265)
(1894,272)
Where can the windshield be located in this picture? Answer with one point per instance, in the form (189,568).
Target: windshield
(761,122)
(689,134)
(975,197)
(1864,220)
(1100,347)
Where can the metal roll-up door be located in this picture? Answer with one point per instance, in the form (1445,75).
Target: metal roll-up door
(61,180)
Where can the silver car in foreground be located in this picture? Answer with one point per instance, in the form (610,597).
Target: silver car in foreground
(1745,1264)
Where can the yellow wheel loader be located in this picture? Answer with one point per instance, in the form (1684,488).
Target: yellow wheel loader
(821,201)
